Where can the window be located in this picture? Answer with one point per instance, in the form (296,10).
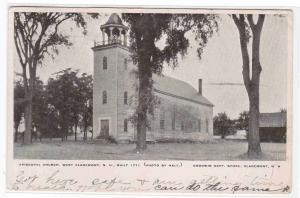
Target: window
(125,63)
(173,122)
(182,126)
(162,118)
(162,113)
(174,109)
(125,97)
(149,127)
(104,97)
(104,63)
(162,124)
(199,125)
(125,125)
(206,123)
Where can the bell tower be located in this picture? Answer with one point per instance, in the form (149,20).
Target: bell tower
(111,79)
(113,31)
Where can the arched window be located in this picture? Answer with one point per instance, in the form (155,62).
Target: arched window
(125,125)
(104,63)
(125,63)
(125,97)
(104,97)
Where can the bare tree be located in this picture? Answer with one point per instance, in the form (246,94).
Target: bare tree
(248,28)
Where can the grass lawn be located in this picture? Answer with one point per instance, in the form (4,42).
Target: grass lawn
(217,150)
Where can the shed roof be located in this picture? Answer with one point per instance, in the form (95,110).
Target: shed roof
(277,119)
(177,88)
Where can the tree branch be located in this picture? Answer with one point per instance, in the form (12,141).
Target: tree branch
(256,67)
(48,41)
(251,22)
(19,50)
(240,23)
(260,21)
(236,21)
(25,81)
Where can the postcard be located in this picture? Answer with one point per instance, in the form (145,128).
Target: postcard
(150,100)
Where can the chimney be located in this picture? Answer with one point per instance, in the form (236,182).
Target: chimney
(200,86)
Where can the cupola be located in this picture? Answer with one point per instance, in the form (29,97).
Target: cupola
(114,31)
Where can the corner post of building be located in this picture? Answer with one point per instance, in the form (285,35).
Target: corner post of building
(125,38)
(120,35)
(110,38)
(103,37)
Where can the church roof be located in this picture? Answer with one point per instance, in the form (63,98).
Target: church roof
(277,119)
(177,88)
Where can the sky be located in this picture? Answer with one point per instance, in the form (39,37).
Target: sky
(220,67)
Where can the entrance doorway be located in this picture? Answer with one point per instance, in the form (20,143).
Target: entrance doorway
(104,130)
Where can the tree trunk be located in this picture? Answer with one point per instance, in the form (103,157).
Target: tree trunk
(141,132)
(28,120)
(63,129)
(251,84)
(40,136)
(147,63)
(35,133)
(16,132)
(144,85)
(85,131)
(64,126)
(254,148)
(67,132)
(75,132)
(29,85)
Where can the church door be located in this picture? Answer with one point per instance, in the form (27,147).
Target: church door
(104,131)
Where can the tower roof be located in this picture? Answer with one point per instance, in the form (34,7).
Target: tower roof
(114,21)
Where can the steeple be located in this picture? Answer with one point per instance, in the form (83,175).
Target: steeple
(114,31)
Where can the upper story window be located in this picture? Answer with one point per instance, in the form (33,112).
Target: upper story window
(199,125)
(104,63)
(125,97)
(104,97)
(162,113)
(125,63)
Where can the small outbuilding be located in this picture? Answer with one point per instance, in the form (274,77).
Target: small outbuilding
(272,127)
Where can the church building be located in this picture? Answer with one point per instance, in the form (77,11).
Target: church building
(183,113)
